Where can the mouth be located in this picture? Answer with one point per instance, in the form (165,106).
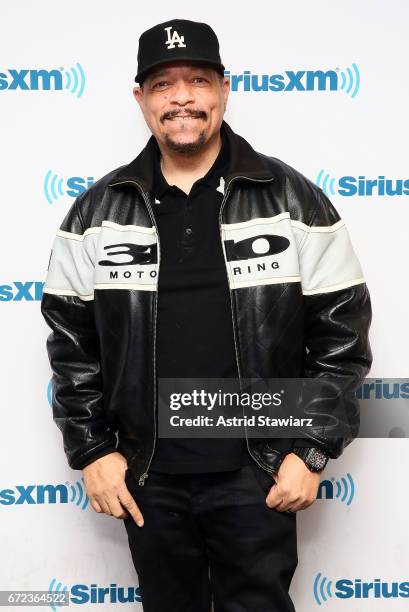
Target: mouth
(183,117)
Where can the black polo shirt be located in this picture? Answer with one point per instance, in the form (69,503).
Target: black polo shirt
(194,324)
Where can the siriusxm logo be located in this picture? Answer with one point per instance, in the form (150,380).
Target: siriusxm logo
(72,80)
(56,187)
(345,588)
(94,594)
(347,81)
(361,186)
(342,490)
(46,494)
(18,291)
(383,390)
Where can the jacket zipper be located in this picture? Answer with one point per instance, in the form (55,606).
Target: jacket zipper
(231,299)
(145,196)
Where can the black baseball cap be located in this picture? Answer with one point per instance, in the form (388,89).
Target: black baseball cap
(177,39)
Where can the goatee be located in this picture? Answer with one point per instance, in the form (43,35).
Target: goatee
(186,148)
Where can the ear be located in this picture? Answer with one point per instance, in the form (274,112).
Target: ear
(226,90)
(138,95)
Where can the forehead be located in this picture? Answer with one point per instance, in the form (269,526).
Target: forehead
(179,67)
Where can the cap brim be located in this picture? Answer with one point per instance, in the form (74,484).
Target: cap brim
(144,73)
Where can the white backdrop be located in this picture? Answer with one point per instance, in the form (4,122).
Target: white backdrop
(51,538)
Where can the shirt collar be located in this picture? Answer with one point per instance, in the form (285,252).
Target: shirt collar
(211,178)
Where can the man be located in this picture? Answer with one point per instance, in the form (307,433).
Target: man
(151,276)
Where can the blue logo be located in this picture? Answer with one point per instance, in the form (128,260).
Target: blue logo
(322,588)
(347,81)
(94,594)
(17,291)
(345,588)
(72,80)
(383,390)
(342,489)
(361,185)
(50,392)
(61,493)
(56,588)
(56,187)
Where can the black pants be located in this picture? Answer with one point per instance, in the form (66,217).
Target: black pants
(211,537)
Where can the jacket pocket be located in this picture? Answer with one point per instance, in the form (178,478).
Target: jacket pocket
(264,480)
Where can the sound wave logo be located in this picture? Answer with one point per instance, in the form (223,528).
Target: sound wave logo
(345,489)
(78,495)
(50,392)
(53,187)
(326,182)
(74,79)
(342,489)
(56,187)
(350,80)
(57,588)
(322,589)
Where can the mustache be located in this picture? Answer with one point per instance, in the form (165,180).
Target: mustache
(188,112)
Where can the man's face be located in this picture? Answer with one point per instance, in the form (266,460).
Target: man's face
(183,104)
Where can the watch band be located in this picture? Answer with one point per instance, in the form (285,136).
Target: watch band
(314,458)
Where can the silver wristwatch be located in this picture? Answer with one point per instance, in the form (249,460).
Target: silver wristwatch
(314,458)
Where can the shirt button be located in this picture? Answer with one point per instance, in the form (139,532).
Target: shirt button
(188,231)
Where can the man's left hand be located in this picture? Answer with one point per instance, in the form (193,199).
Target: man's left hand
(296,486)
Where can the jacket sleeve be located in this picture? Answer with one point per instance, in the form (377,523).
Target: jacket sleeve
(337,320)
(72,346)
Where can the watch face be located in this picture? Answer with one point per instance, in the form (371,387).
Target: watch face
(316,459)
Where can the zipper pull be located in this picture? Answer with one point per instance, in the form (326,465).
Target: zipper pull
(221,186)
(142,479)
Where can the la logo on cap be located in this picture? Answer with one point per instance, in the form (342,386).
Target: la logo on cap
(174,38)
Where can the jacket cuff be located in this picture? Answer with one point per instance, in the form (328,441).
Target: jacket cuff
(304,443)
(102,453)
(308,443)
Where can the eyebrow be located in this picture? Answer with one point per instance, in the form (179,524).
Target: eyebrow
(157,74)
(165,71)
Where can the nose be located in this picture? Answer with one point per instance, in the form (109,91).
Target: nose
(182,93)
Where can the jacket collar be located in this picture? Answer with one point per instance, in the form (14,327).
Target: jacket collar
(211,178)
(244,162)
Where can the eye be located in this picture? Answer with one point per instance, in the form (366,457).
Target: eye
(200,79)
(160,84)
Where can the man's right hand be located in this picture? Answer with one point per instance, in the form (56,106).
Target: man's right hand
(104,481)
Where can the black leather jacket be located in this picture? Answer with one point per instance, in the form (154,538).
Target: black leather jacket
(300,308)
